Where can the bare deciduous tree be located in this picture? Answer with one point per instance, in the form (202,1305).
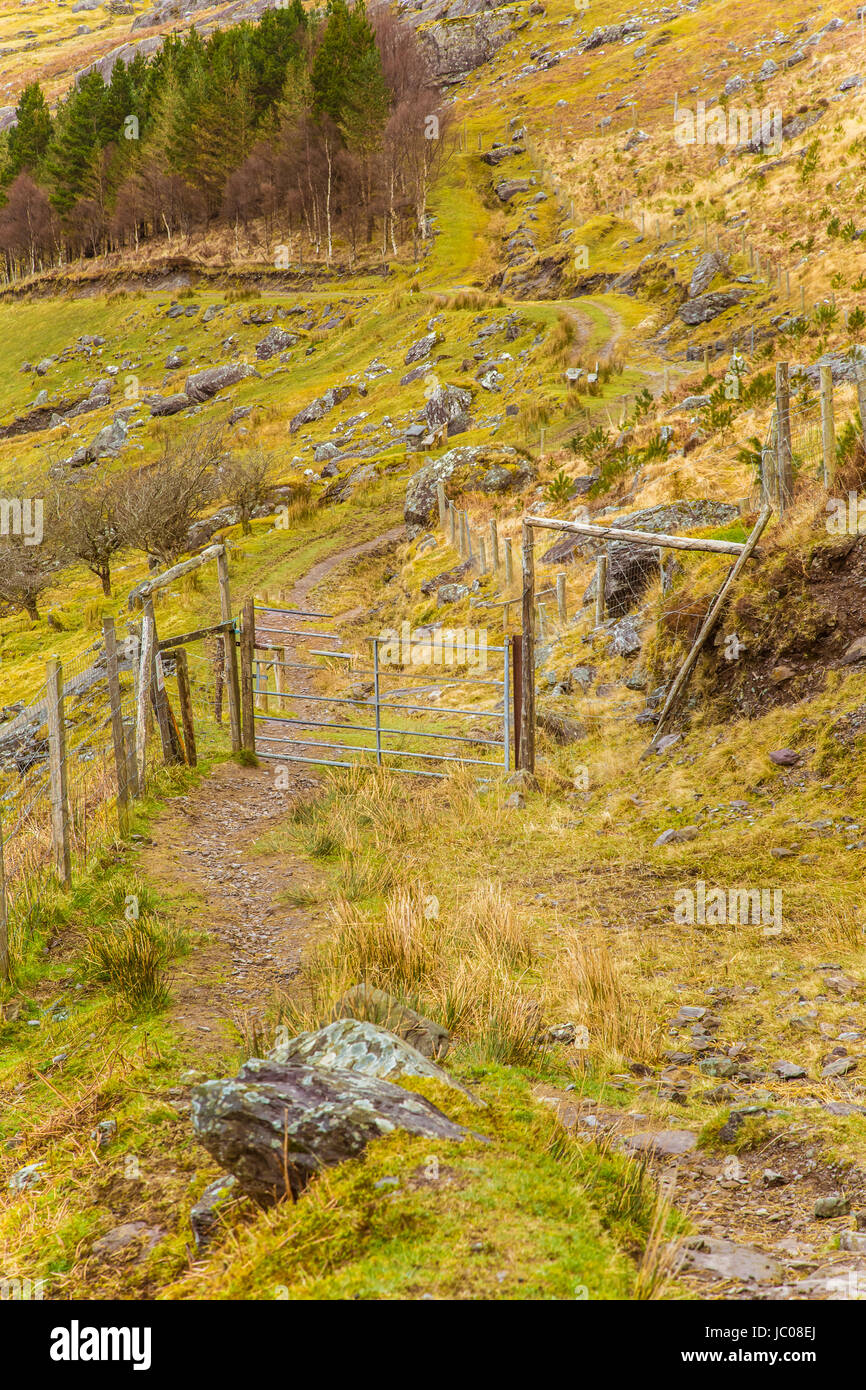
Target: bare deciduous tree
(157,505)
(84,517)
(243,480)
(25,572)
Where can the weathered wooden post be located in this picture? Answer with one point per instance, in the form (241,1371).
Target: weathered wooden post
(142,706)
(861,401)
(168,734)
(560,598)
(600,587)
(184,695)
(494,545)
(509,562)
(57,770)
(230,655)
(482,556)
(527,702)
(828,428)
(248,639)
(440,498)
(5,971)
(517,689)
(452,522)
(784,461)
(116,712)
(131,760)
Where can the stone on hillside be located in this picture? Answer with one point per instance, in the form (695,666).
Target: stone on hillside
(625,639)
(856,652)
(204,1216)
(500,153)
(173,360)
(275,340)
(711,264)
(201,386)
(663,1141)
(561,730)
(122,1237)
(727,1260)
(767,70)
(461,42)
(274,1125)
(826,1208)
(375,1006)
(468,468)
(355,1044)
(840,1066)
(319,407)
(844,366)
(612,33)
(422,348)
(168,405)
(708,306)
(507,189)
(669,518)
(447,408)
(630,569)
(785,757)
(788,1071)
(343,488)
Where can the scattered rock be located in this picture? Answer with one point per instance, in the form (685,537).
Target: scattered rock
(204,1216)
(364,1002)
(828,1207)
(201,386)
(274,1126)
(785,757)
(354,1044)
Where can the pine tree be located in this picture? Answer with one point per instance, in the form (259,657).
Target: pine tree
(29,137)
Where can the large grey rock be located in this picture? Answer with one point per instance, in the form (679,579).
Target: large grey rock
(669,519)
(275,340)
(204,1216)
(354,1044)
(469,467)
(201,386)
(711,264)
(422,348)
(375,1006)
(273,1126)
(460,44)
(630,569)
(319,407)
(708,306)
(727,1260)
(446,408)
(168,405)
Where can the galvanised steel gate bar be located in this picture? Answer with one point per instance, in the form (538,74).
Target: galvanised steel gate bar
(303,746)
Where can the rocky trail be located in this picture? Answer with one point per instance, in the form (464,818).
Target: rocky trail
(252,905)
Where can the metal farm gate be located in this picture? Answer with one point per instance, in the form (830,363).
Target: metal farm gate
(310,700)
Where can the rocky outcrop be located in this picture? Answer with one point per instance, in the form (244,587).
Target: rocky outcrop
(273,1126)
(275,340)
(458,44)
(468,468)
(670,519)
(447,409)
(319,407)
(711,264)
(201,386)
(365,1002)
(356,1045)
(708,306)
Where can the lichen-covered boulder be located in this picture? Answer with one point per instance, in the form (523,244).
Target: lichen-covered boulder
(202,385)
(319,407)
(447,408)
(468,468)
(375,1006)
(275,340)
(273,1126)
(355,1044)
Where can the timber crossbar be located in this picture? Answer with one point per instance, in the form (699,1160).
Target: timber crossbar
(165,644)
(653,538)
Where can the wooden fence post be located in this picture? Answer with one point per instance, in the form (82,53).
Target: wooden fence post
(861,400)
(527,703)
(828,428)
(560,598)
(600,587)
(184,695)
(248,640)
(784,461)
(143,700)
(168,734)
(482,556)
(57,770)
(452,524)
(494,545)
(5,972)
(440,498)
(230,655)
(131,760)
(517,700)
(117,739)
(509,562)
